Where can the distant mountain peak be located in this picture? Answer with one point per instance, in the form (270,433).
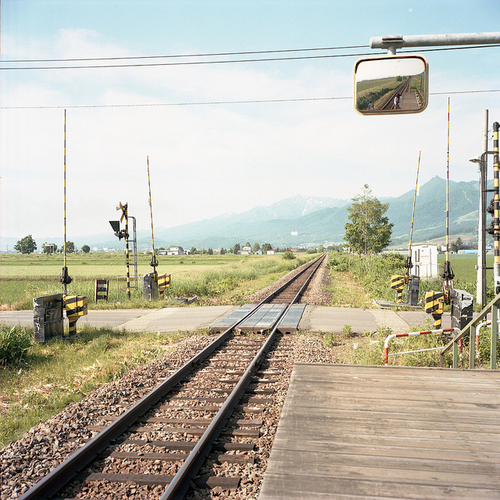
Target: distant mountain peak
(313,221)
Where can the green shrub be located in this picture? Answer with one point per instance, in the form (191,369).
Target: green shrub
(14,342)
(375,271)
(289,256)
(338,262)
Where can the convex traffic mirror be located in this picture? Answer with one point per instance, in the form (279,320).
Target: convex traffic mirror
(391,85)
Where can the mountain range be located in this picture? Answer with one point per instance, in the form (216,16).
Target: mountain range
(302,221)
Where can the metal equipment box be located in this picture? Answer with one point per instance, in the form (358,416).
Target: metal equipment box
(150,286)
(461,311)
(48,320)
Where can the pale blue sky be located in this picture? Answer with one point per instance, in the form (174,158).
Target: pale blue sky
(206,160)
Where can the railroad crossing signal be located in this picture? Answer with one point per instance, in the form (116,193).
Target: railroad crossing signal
(123,233)
(115,224)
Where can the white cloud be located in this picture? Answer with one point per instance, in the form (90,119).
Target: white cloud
(209,159)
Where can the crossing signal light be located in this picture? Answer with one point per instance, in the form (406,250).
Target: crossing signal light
(115,224)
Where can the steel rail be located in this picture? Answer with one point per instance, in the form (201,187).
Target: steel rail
(402,88)
(70,467)
(62,474)
(180,483)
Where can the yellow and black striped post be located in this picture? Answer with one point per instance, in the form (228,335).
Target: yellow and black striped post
(154,261)
(127,252)
(413,211)
(412,281)
(398,283)
(447,275)
(164,283)
(496,217)
(76,306)
(64,278)
(434,304)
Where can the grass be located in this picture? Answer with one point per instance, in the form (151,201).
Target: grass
(358,280)
(368,348)
(54,374)
(213,279)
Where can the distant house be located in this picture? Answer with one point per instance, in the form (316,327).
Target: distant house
(175,251)
(270,252)
(246,251)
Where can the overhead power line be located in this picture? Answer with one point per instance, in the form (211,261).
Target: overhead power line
(214,103)
(218,61)
(203,54)
(185,63)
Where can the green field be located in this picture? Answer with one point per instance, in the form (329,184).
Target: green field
(463,265)
(212,278)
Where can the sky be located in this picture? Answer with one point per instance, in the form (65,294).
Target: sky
(227,136)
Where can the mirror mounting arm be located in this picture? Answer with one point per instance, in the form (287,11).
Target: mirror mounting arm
(391,43)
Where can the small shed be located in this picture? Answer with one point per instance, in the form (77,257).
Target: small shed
(425,261)
(175,251)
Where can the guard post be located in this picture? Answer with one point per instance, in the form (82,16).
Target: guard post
(434,304)
(398,283)
(164,283)
(76,306)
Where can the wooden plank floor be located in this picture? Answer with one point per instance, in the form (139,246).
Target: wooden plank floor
(372,432)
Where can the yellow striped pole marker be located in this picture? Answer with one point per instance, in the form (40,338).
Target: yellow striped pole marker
(398,283)
(434,305)
(496,217)
(76,306)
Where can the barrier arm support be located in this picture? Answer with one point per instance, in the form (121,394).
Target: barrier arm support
(411,334)
(470,329)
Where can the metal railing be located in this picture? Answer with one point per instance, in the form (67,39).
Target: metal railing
(412,334)
(470,329)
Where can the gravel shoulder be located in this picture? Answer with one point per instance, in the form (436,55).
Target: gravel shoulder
(46,445)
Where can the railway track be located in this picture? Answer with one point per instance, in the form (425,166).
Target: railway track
(212,406)
(388,103)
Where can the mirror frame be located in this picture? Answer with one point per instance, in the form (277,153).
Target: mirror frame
(366,112)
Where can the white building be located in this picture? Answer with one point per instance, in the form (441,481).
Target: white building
(175,251)
(425,261)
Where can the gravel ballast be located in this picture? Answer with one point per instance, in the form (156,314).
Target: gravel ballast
(45,446)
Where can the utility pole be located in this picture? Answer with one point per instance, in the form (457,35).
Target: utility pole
(481,238)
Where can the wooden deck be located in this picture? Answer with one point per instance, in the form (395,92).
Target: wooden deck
(387,432)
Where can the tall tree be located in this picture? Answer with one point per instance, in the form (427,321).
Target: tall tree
(26,245)
(369,230)
(70,247)
(457,245)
